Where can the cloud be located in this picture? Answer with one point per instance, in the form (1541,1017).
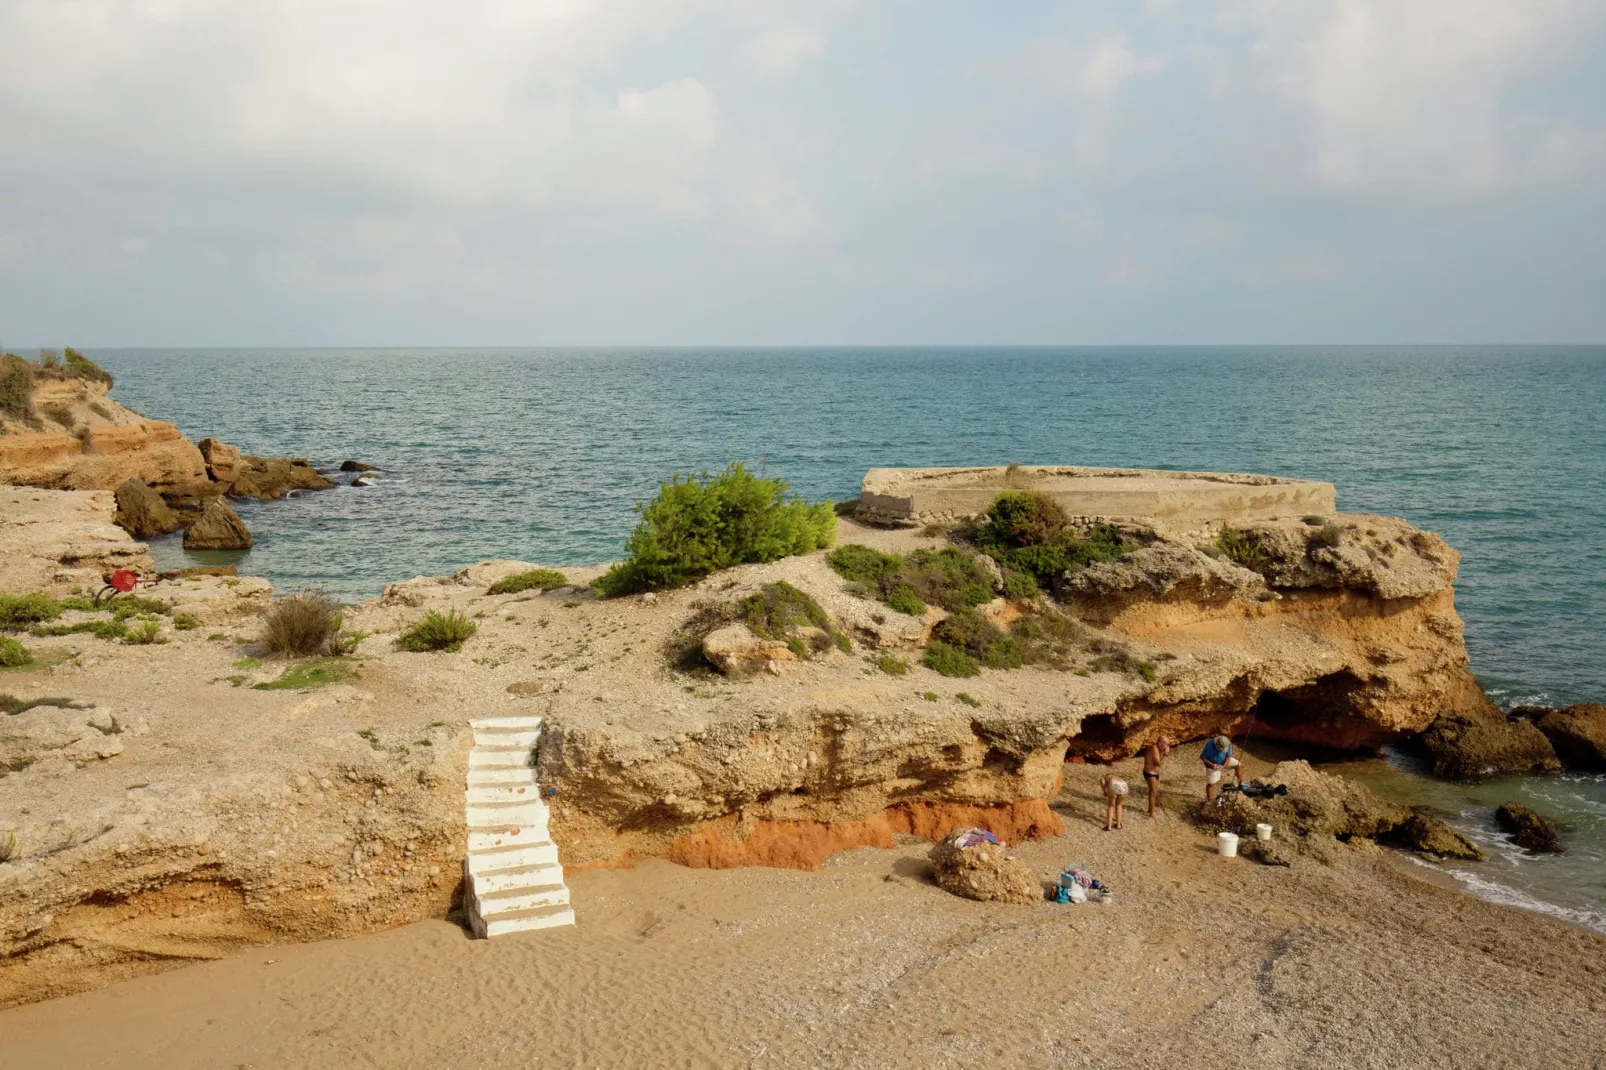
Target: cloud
(1420,94)
(1093,68)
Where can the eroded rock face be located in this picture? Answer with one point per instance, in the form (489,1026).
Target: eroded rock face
(984,872)
(141,511)
(218,528)
(1578,734)
(1165,571)
(270,478)
(1467,747)
(1527,829)
(223,462)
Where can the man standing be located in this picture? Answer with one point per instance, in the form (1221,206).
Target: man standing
(1217,756)
(1154,756)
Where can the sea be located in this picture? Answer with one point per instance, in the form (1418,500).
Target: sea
(543,455)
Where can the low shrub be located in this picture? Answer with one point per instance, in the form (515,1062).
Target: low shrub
(100,410)
(13,655)
(695,527)
(1328,535)
(1243,548)
(904,600)
(864,564)
(977,636)
(301,625)
(306,675)
(145,633)
(891,666)
(16,388)
(58,413)
(18,612)
(1124,661)
(185,623)
(100,629)
(543,579)
(1028,533)
(929,696)
(777,609)
(946,660)
(1019,585)
(437,632)
(81,367)
(129,606)
(970,700)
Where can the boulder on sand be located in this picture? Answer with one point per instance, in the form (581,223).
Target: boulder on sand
(219,528)
(141,511)
(1578,734)
(1465,748)
(1425,833)
(1528,830)
(984,872)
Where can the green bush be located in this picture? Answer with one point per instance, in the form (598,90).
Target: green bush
(948,660)
(1029,533)
(1020,585)
(544,579)
(81,367)
(863,564)
(185,623)
(16,388)
(777,609)
(437,631)
(100,629)
(904,600)
(980,638)
(891,666)
(17,612)
(698,526)
(970,700)
(1243,548)
(13,655)
(929,696)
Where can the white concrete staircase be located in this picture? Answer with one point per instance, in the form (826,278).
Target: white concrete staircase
(511,876)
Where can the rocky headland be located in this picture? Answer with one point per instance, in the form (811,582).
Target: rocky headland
(171,793)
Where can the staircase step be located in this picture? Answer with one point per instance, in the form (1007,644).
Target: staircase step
(502,794)
(480,758)
(493,882)
(485,847)
(546,918)
(501,859)
(529,738)
(525,826)
(509,900)
(505,724)
(518,776)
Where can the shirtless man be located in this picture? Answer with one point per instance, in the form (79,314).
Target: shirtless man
(1154,756)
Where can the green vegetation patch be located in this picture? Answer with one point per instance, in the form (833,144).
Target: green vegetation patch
(891,666)
(16,389)
(1243,548)
(969,631)
(695,527)
(778,609)
(13,655)
(970,700)
(443,632)
(18,612)
(542,579)
(145,633)
(1029,534)
(946,660)
(306,675)
(947,577)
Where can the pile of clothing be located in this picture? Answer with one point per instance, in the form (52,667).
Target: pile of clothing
(1077,885)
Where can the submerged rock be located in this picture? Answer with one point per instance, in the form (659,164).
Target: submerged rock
(1527,829)
(1465,748)
(356,466)
(1578,734)
(984,872)
(141,511)
(219,528)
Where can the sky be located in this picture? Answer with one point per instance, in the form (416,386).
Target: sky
(828,172)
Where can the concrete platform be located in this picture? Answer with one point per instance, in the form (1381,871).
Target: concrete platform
(912,496)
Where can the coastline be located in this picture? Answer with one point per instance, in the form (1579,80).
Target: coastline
(865,963)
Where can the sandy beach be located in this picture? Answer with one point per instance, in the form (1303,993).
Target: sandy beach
(867,964)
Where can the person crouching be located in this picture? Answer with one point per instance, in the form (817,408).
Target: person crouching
(1115,790)
(1218,757)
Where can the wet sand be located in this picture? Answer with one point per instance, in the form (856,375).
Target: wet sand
(867,964)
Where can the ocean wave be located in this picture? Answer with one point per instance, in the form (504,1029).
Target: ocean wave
(1506,895)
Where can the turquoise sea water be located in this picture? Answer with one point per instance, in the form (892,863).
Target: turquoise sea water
(541,455)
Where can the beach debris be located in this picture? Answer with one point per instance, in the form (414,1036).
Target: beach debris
(1527,829)
(982,870)
(1077,885)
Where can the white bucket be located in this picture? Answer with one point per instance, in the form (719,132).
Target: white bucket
(1263,832)
(1227,844)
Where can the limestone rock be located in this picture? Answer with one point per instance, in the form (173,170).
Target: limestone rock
(1318,806)
(222,461)
(1463,747)
(736,651)
(1423,832)
(1167,571)
(270,478)
(219,528)
(984,872)
(487,573)
(1272,852)
(141,511)
(356,466)
(1528,830)
(1578,734)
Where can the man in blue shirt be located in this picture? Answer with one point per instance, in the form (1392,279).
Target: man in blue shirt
(1217,756)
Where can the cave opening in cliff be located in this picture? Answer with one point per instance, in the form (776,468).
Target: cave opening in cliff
(1325,715)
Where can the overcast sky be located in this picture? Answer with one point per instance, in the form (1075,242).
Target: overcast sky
(681,172)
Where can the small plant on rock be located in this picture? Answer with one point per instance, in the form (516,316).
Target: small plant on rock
(969,700)
(145,633)
(980,638)
(542,579)
(1243,548)
(1328,535)
(891,666)
(13,655)
(946,660)
(438,632)
(1029,533)
(17,612)
(904,600)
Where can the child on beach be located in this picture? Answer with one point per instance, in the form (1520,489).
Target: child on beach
(1115,790)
